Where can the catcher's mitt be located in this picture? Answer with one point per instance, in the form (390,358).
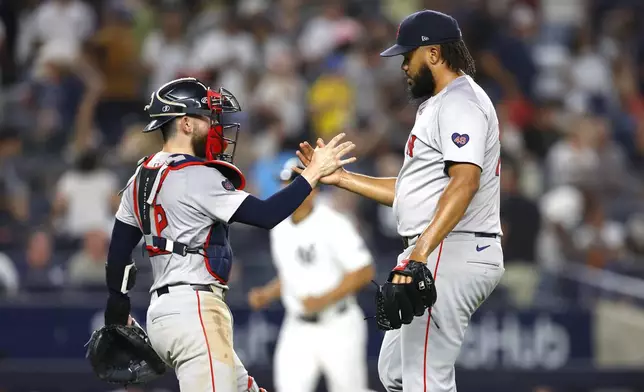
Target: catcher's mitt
(397,304)
(123,355)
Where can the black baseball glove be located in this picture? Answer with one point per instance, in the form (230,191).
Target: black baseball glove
(397,304)
(123,355)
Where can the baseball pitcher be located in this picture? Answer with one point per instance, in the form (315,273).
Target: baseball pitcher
(181,201)
(321,262)
(446,202)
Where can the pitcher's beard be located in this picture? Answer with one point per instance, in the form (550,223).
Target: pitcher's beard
(423,85)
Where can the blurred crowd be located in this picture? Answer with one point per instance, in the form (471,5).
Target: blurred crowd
(567,78)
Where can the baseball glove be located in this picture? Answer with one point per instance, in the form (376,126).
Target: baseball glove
(397,304)
(123,355)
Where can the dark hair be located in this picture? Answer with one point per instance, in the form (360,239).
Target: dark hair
(87,161)
(168,130)
(458,57)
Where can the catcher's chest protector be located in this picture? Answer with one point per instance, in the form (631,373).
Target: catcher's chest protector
(216,250)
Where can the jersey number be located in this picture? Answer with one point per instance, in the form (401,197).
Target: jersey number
(498,168)
(160,221)
(410,146)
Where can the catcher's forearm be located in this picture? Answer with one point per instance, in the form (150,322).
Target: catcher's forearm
(449,211)
(351,283)
(120,272)
(380,189)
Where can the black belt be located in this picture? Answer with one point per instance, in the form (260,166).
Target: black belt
(315,318)
(407,240)
(195,287)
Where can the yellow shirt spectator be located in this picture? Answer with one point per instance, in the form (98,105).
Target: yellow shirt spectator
(331,103)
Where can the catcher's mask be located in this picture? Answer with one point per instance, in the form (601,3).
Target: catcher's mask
(190,97)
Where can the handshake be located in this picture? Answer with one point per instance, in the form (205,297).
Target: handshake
(324,163)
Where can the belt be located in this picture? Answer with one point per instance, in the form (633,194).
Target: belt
(407,241)
(195,287)
(315,318)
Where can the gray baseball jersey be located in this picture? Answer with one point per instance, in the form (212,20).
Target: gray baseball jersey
(189,202)
(459,124)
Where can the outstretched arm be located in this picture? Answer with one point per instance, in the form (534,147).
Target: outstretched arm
(380,189)
(237,206)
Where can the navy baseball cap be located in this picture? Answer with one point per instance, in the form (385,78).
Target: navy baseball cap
(424,28)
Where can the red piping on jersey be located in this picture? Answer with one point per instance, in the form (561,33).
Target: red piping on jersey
(136,204)
(145,163)
(203,328)
(205,257)
(438,260)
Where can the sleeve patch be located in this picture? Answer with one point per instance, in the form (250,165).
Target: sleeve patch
(460,140)
(228,185)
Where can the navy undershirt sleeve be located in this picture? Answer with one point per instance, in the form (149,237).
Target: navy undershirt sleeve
(268,213)
(124,239)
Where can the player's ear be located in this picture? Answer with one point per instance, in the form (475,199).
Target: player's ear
(432,54)
(185,125)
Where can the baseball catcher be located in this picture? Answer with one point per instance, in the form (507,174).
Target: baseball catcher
(181,202)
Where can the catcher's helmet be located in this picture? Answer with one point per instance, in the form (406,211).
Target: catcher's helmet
(190,97)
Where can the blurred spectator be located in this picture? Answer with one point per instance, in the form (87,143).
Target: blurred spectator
(55,92)
(599,240)
(69,21)
(544,130)
(9,282)
(135,145)
(561,209)
(11,227)
(573,159)
(612,178)
(42,273)
(323,33)
(86,198)
(271,44)
(367,72)
(225,56)
(3,37)
(590,74)
(280,93)
(331,100)
(86,268)
(117,57)
(14,191)
(207,16)
(166,50)
(520,218)
(635,236)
